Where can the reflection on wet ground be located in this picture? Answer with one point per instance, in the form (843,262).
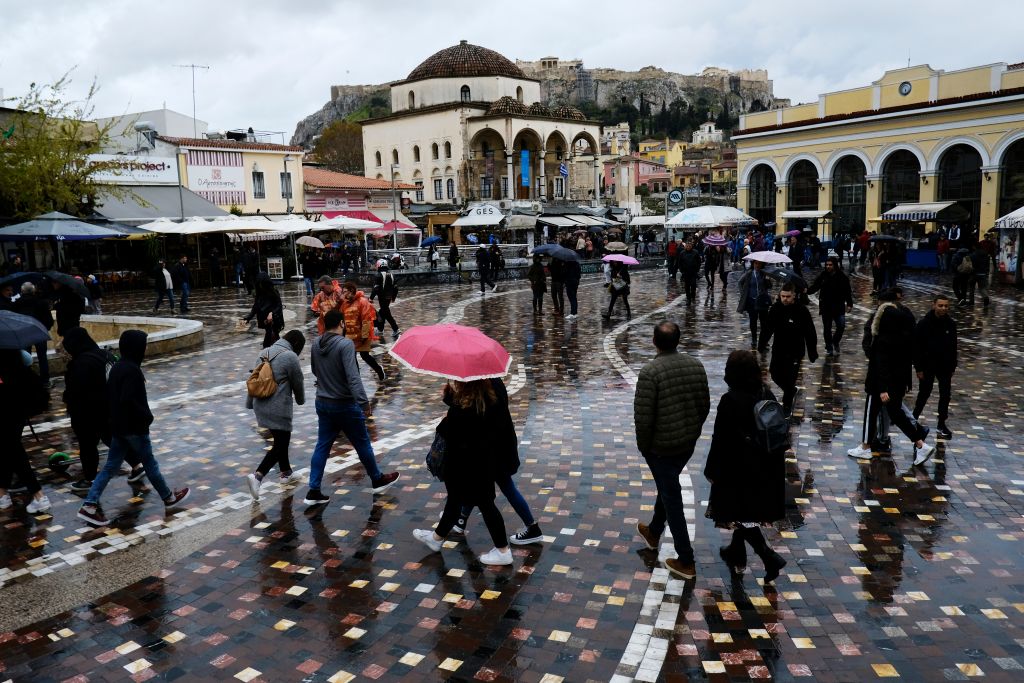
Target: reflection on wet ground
(893,570)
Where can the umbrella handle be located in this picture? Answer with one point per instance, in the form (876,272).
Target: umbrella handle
(33,430)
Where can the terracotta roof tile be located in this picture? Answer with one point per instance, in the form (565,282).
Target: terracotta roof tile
(230,144)
(465,60)
(333,180)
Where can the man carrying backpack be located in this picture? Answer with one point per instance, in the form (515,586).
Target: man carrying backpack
(385,288)
(671,403)
(963,271)
(790,323)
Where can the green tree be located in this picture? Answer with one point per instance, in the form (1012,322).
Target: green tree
(44,150)
(340,147)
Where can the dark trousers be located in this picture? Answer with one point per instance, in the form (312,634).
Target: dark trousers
(372,363)
(669,506)
(924,390)
(270,335)
(15,459)
(827,323)
(485,278)
(690,285)
(277,455)
(89,438)
(385,316)
(898,415)
(570,291)
(752,535)
(558,295)
(960,286)
(616,295)
(784,372)
(754,317)
(160,299)
(44,363)
(672,266)
(538,300)
(458,501)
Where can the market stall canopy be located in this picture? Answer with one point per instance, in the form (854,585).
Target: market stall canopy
(389,229)
(558,221)
(590,220)
(57,226)
(157,201)
(926,211)
(1012,221)
(520,222)
(702,217)
(817,215)
(483,215)
(385,216)
(648,221)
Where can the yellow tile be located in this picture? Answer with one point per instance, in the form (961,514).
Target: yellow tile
(885,671)
(727,606)
(714,667)
(247,674)
(358,583)
(283,625)
(174,637)
(560,569)
(551,678)
(721,637)
(953,611)
(341,677)
(616,600)
(411,659)
(758,633)
(354,633)
(451,597)
(993,613)
(279,565)
(456,573)
(970,669)
(450,664)
(387,573)
(65,633)
(125,648)
(137,666)
(390,586)
(559,636)
(603,590)
(489,595)
(296,590)
(918,595)
(804,643)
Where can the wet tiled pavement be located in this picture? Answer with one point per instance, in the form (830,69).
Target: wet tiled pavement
(894,571)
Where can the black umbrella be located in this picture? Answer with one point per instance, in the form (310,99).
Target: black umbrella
(18,279)
(596,228)
(557,251)
(786,275)
(884,238)
(69,281)
(19,331)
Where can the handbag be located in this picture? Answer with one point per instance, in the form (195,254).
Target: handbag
(436,453)
(618,284)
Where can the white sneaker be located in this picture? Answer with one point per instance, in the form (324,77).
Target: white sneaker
(37,505)
(426,537)
(494,288)
(860,453)
(922,454)
(497,557)
(5,502)
(254,485)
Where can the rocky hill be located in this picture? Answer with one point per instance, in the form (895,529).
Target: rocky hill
(568,82)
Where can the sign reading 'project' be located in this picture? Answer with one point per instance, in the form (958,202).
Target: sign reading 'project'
(122,169)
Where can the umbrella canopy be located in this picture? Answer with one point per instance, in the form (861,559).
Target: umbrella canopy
(621,258)
(616,246)
(709,217)
(596,228)
(433,239)
(308,241)
(18,279)
(20,331)
(793,233)
(1012,221)
(715,241)
(453,352)
(58,226)
(768,257)
(557,251)
(785,275)
(884,238)
(69,281)
(340,222)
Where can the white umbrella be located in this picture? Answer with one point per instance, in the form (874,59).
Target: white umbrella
(308,241)
(345,223)
(1013,220)
(164,226)
(768,257)
(703,217)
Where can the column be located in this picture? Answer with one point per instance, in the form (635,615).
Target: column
(570,164)
(990,182)
(824,228)
(929,186)
(781,204)
(743,198)
(872,197)
(510,168)
(543,177)
(597,180)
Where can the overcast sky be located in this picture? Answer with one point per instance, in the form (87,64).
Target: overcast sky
(272,63)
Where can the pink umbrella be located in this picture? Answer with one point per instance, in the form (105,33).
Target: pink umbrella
(768,257)
(451,351)
(622,258)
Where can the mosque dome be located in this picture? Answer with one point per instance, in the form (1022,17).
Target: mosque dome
(567,112)
(539,109)
(465,61)
(508,106)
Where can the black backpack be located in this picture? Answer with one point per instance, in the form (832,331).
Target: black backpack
(771,428)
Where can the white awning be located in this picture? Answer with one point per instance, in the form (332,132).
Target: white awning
(587,220)
(648,220)
(925,211)
(520,222)
(558,221)
(385,215)
(479,218)
(807,214)
(1012,221)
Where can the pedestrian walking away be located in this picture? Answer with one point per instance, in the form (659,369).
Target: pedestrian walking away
(68,308)
(790,323)
(341,407)
(935,358)
(481,447)
(483,267)
(182,280)
(130,420)
(754,298)
(250,268)
(689,267)
(22,396)
(557,270)
(360,319)
(267,310)
(386,289)
(747,476)
(572,274)
(274,413)
(981,262)
(538,283)
(453,258)
(835,300)
(670,406)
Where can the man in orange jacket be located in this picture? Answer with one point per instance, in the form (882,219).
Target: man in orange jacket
(326,300)
(360,316)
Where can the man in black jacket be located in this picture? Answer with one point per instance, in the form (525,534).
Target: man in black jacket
(790,323)
(250,267)
(835,300)
(935,357)
(37,307)
(130,418)
(689,266)
(483,267)
(385,288)
(183,281)
(982,261)
(68,308)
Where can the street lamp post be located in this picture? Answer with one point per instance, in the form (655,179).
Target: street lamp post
(288,209)
(394,205)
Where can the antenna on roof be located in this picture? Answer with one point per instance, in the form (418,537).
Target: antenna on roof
(195,134)
(908,57)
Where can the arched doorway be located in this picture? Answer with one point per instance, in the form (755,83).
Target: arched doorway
(486,165)
(761,193)
(960,180)
(848,195)
(1011,184)
(526,164)
(901,179)
(803,193)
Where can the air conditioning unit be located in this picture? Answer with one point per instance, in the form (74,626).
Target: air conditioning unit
(535,207)
(505,204)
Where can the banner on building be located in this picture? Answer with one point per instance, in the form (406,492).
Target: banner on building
(524,167)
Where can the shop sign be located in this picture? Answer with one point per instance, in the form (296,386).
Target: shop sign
(216,178)
(122,169)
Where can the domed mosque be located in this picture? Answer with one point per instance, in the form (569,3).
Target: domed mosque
(468,125)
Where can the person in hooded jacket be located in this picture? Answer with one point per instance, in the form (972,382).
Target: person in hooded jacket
(85,394)
(835,300)
(267,310)
(689,266)
(748,483)
(274,413)
(557,270)
(755,299)
(68,308)
(130,418)
(935,358)
(790,323)
(538,283)
(359,317)
(476,415)
(22,395)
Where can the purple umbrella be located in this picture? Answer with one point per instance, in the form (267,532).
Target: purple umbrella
(715,241)
(622,258)
(793,233)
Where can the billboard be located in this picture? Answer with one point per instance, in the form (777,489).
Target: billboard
(123,169)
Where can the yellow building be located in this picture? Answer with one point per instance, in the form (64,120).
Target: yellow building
(667,152)
(916,135)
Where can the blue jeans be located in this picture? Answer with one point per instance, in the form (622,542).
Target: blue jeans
(570,291)
(120,446)
(669,506)
(160,299)
(333,418)
(309,285)
(512,494)
(185,289)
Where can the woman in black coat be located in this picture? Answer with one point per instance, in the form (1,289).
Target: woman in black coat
(747,482)
(480,446)
(619,288)
(267,310)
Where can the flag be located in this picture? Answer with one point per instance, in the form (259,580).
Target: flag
(563,170)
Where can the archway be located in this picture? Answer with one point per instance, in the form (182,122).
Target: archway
(584,144)
(1011,183)
(901,179)
(526,155)
(555,148)
(960,180)
(848,195)
(486,164)
(761,193)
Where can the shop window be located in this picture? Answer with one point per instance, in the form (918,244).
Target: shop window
(419,190)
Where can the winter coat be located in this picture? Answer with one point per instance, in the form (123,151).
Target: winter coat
(22,393)
(670,405)
(935,344)
(621,273)
(85,380)
(479,447)
(127,402)
(264,305)
(572,271)
(748,484)
(180,275)
(763,300)
(982,261)
(453,256)
(557,270)
(834,293)
(275,412)
(69,309)
(712,260)
(890,350)
(36,307)
(793,330)
(538,280)
(160,280)
(359,322)
(689,262)
(384,287)
(324,304)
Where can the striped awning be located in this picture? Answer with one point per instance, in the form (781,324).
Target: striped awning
(926,211)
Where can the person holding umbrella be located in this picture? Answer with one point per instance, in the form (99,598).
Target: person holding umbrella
(36,307)
(557,269)
(755,298)
(619,287)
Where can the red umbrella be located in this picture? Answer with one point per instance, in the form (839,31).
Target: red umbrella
(453,352)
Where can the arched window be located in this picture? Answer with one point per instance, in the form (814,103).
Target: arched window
(377,156)
(412,100)
(901,179)
(848,195)
(394,156)
(433,151)
(447,150)
(519,94)
(416,153)
(761,194)
(464,92)
(1011,192)
(960,180)
(450,188)
(803,187)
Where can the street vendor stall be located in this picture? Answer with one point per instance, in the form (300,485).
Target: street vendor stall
(695,218)
(818,222)
(908,222)
(1010,247)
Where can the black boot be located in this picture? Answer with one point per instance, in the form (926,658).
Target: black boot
(773,562)
(735,554)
